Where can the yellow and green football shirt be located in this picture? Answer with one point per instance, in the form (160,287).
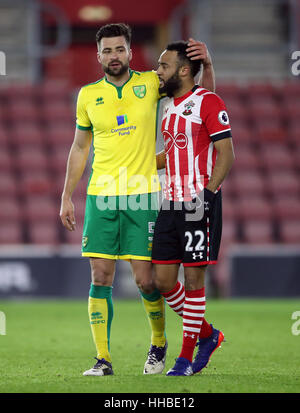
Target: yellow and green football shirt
(123,122)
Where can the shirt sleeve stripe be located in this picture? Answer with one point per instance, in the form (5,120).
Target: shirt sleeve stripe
(221,135)
(83,127)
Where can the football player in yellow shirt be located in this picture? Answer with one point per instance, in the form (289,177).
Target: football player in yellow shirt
(118,115)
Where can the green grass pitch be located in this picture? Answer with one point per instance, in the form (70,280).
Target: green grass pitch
(48,345)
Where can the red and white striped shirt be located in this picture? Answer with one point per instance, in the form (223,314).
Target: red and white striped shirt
(190,126)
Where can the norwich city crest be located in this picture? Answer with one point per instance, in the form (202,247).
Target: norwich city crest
(140,91)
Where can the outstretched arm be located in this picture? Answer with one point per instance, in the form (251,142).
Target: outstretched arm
(198,51)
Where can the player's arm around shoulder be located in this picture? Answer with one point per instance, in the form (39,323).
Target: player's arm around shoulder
(75,166)
(161,160)
(198,51)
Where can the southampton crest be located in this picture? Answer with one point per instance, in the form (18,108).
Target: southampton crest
(188,108)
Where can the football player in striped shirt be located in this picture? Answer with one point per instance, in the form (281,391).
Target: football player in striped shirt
(198,154)
(117,115)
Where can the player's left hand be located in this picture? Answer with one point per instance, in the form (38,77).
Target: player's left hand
(198,51)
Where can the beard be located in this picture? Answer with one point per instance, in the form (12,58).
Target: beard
(116,71)
(171,85)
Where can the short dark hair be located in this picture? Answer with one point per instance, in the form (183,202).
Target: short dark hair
(180,47)
(114,30)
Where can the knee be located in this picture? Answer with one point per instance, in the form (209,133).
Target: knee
(145,285)
(101,274)
(162,284)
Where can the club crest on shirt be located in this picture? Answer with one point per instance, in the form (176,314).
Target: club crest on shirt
(188,108)
(140,91)
(99,101)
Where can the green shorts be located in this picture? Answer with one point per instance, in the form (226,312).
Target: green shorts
(119,227)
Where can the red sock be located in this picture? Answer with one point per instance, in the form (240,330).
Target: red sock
(175,299)
(206,329)
(193,314)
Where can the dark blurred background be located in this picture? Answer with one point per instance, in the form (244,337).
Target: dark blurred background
(50,52)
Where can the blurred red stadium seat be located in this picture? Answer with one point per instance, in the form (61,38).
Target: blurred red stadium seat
(8,184)
(4,114)
(57,111)
(11,233)
(44,233)
(241,133)
(41,209)
(261,91)
(245,158)
(58,185)
(291,109)
(58,158)
(229,232)
(22,91)
(4,135)
(258,231)
(283,182)
(236,111)
(270,133)
(26,134)
(33,183)
(10,210)
(296,155)
(293,131)
(23,110)
(140,59)
(60,134)
(32,158)
(227,188)
(290,90)
(229,90)
(249,182)
(6,160)
(289,231)
(286,208)
(251,206)
(54,90)
(276,156)
(265,110)
(228,207)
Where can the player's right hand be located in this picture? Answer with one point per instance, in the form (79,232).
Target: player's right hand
(67,215)
(209,200)
(198,51)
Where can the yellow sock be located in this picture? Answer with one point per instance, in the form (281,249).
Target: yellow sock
(100,310)
(155,308)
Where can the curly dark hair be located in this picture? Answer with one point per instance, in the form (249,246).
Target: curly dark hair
(180,47)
